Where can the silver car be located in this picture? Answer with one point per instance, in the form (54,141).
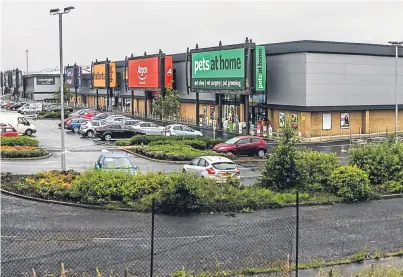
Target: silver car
(87,129)
(180,130)
(115,118)
(148,128)
(215,167)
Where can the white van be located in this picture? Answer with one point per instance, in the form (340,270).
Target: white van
(19,122)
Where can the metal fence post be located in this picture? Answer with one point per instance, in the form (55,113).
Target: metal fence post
(152,239)
(297,232)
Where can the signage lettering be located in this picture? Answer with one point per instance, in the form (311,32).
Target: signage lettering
(222,69)
(260,68)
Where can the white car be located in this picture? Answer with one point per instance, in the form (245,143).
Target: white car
(148,128)
(180,130)
(87,129)
(215,167)
(19,122)
(115,118)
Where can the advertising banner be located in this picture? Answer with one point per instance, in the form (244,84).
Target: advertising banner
(260,68)
(218,70)
(112,75)
(281,119)
(70,77)
(99,76)
(45,81)
(169,72)
(345,120)
(79,76)
(144,73)
(14,78)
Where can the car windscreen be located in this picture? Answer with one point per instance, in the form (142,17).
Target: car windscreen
(95,123)
(224,166)
(117,163)
(231,141)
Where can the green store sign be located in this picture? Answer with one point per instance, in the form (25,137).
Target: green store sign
(219,70)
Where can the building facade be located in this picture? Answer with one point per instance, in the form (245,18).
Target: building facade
(322,88)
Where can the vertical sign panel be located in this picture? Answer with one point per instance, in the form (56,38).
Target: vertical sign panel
(260,68)
(112,75)
(169,74)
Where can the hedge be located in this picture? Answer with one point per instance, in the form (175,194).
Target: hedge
(51,115)
(174,192)
(22,152)
(145,140)
(175,152)
(19,141)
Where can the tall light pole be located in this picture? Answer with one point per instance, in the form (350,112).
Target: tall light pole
(26,51)
(396,44)
(60,14)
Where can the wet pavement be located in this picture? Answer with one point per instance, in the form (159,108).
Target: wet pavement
(109,239)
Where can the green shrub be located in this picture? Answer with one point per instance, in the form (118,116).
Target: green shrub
(282,170)
(51,115)
(383,162)
(197,144)
(23,153)
(19,141)
(391,187)
(174,152)
(146,140)
(316,167)
(350,183)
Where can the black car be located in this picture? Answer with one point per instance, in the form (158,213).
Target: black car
(58,109)
(18,105)
(114,131)
(103,115)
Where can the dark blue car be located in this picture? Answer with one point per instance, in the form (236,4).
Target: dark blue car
(75,124)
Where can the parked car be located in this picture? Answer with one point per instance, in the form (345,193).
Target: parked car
(358,141)
(8,131)
(103,115)
(66,109)
(377,139)
(128,123)
(109,161)
(243,145)
(216,167)
(180,130)
(18,105)
(90,114)
(148,128)
(88,128)
(115,118)
(75,123)
(113,131)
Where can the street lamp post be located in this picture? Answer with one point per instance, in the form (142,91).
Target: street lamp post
(60,14)
(26,51)
(396,44)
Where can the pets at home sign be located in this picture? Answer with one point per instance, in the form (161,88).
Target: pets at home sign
(218,70)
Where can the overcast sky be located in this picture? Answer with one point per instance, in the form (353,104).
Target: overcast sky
(114,29)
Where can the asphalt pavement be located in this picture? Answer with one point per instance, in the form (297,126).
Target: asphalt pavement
(41,236)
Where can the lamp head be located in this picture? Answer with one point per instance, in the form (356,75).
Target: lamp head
(54,11)
(68,9)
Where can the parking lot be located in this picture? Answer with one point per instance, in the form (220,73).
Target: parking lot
(81,154)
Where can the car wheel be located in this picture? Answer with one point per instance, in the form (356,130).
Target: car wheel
(90,134)
(28,132)
(261,153)
(230,152)
(76,129)
(184,170)
(107,137)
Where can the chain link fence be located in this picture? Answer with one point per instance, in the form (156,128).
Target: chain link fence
(159,248)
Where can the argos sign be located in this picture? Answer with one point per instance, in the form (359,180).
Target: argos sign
(144,73)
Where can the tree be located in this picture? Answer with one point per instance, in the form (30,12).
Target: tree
(281,170)
(168,106)
(66,94)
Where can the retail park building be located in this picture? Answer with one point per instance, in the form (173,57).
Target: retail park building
(323,88)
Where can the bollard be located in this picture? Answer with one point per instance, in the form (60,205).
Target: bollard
(330,135)
(360,133)
(321,132)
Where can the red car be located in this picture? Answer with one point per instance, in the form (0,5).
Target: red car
(7,131)
(243,145)
(90,114)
